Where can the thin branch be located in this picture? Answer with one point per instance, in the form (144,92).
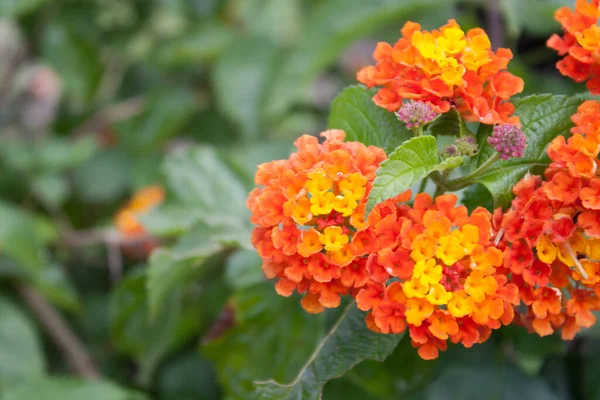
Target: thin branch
(121,111)
(56,327)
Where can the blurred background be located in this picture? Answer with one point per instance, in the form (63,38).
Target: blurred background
(130,131)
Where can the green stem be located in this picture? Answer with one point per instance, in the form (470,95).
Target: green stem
(466,180)
(417,130)
(423,184)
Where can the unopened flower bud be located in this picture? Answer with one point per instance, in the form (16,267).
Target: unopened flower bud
(467,145)
(509,141)
(415,114)
(450,151)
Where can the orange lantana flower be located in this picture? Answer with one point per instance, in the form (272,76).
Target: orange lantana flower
(445,68)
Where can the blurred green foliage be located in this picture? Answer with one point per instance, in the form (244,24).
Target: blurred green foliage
(99,98)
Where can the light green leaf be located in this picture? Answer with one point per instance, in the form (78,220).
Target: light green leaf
(278,20)
(354,112)
(411,161)
(346,344)
(543,117)
(243,269)
(333,26)
(241,78)
(51,189)
(21,355)
(199,179)
(70,389)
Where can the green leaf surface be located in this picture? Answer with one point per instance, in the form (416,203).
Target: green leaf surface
(148,339)
(21,354)
(241,78)
(347,343)
(188,377)
(243,269)
(17,8)
(167,111)
(104,177)
(200,179)
(354,112)
(410,162)
(328,31)
(271,337)
(449,123)
(202,44)
(543,117)
(172,268)
(70,389)
(19,239)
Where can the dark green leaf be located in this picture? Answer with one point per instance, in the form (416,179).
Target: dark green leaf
(410,162)
(347,343)
(272,337)
(354,112)
(241,78)
(21,355)
(543,117)
(449,123)
(148,339)
(189,377)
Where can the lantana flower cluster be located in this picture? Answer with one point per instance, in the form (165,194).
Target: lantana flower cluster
(580,44)
(310,213)
(551,233)
(430,267)
(445,68)
(444,267)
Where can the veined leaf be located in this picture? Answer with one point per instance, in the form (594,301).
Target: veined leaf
(347,343)
(413,160)
(543,117)
(354,112)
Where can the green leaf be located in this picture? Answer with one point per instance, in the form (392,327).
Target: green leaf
(449,123)
(243,270)
(148,339)
(347,343)
(280,21)
(202,44)
(543,117)
(167,111)
(271,337)
(67,48)
(410,162)
(333,26)
(70,389)
(199,179)
(532,16)
(189,377)
(51,189)
(354,111)
(17,8)
(170,269)
(104,177)
(241,78)
(21,355)
(19,239)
